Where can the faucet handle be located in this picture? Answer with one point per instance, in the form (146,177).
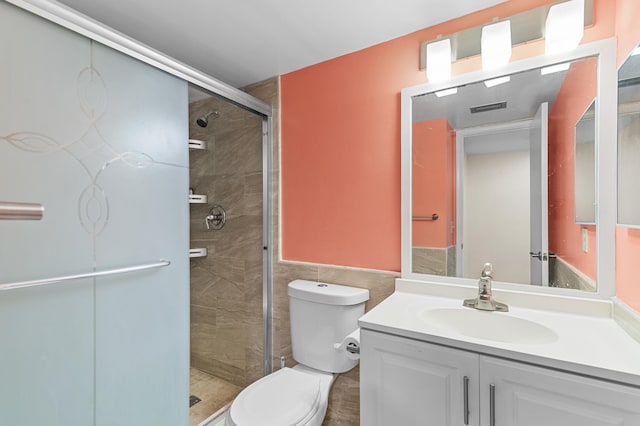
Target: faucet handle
(487,271)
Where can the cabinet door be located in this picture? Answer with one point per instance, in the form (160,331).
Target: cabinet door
(533,396)
(406,382)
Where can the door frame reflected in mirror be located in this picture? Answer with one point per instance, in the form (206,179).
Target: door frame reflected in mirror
(533,212)
(606,154)
(585,205)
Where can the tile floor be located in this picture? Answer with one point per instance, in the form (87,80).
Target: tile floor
(215,393)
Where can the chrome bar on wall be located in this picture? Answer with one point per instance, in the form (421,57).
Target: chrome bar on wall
(20,211)
(106,272)
(432,217)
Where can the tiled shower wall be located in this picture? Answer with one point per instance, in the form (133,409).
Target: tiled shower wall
(226,286)
(344,400)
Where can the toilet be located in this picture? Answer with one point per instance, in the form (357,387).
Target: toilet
(322,316)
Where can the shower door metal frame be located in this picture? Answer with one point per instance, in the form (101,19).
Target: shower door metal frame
(267,252)
(78,23)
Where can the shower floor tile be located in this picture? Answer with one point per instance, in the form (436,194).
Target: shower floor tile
(214,393)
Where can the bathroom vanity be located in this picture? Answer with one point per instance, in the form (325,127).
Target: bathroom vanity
(567,352)
(426,359)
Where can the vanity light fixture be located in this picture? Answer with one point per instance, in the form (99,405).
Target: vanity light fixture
(439,61)
(496,49)
(495,45)
(564,27)
(447,92)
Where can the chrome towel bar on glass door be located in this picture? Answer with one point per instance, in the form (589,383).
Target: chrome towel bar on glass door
(20,211)
(104,273)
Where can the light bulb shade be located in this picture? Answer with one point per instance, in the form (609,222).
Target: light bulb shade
(564,27)
(496,45)
(439,61)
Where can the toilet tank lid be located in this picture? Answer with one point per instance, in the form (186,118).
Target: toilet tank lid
(329,294)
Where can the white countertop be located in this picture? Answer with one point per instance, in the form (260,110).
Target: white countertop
(589,341)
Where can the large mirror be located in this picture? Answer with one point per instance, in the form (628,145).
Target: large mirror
(500,171)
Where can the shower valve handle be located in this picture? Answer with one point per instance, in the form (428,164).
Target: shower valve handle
(216,218)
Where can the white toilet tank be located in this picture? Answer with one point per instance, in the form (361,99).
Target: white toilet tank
(322,315)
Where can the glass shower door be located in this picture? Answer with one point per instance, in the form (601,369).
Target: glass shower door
(100,140)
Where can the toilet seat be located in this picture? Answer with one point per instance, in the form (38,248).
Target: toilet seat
(284,398)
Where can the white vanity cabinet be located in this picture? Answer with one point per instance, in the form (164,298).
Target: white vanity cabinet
(410,382)
(526,395)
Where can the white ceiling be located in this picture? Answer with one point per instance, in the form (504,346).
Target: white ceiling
(244,41)
(523,95)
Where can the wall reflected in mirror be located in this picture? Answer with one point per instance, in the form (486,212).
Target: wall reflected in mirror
(629,141)
(494,178)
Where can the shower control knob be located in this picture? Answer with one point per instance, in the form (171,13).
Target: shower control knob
(216,218)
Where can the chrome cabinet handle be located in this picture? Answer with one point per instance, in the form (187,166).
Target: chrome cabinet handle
(465,381)
(492,405)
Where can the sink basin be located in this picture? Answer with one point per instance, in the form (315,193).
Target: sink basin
(496,326)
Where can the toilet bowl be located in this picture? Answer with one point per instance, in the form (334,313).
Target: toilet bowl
(322,316)
(295,396)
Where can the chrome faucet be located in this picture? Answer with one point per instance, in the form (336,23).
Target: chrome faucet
(485,301)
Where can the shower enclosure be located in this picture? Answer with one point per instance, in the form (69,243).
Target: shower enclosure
(94,292)
(227,236)
(98,139)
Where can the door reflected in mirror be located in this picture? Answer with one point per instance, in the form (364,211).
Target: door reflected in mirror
(495,175)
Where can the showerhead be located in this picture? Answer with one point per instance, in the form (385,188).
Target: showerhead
(204,120)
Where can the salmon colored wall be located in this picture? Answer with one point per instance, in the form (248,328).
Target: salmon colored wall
(565,236)
(627,255)
(433,184)
(627,240)
(340,145)
(627,27)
